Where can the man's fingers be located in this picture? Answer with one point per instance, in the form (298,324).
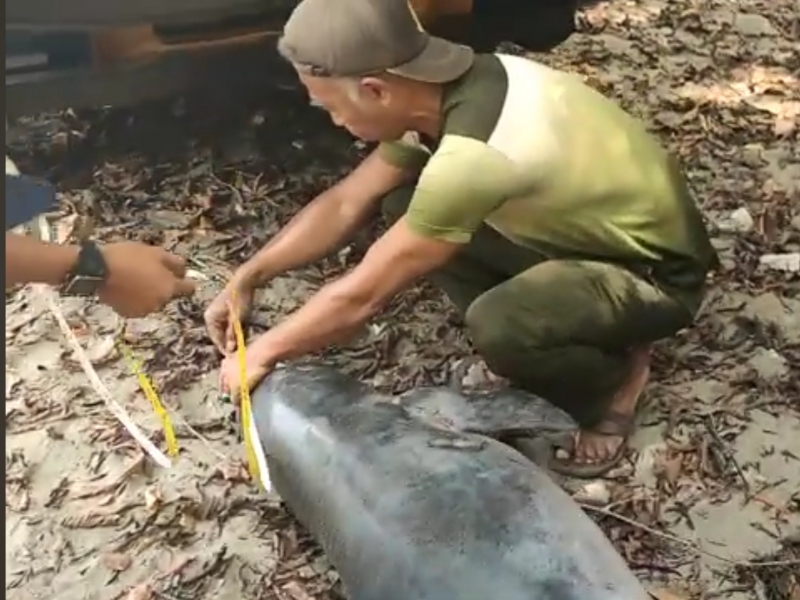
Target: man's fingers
(174,263)
(217,338)
(230,339)
(216,331)
(224,388)
(184,287)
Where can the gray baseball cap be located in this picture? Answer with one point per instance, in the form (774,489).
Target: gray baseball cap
(352,38)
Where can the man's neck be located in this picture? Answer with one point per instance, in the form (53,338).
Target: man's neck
(425,110)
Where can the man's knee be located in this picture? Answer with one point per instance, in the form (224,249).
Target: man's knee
(552,305)
(395,204)
(564,303)
(520,313)
(491,327)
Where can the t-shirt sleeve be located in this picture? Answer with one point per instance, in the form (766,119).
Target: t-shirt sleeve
(462,184)
(405,153)
(26,198)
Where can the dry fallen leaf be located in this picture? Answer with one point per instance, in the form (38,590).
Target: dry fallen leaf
(594,492)
(116,561)
(11,381)
(671,468)
(794,594)
(107,499)
(103,351)
(665,595)
(142,591)
(79,327)
(14,405)
(65,227)
(90,520)
(110,484)
(785,126)
(297,591)
(18,500)
(153,497)
(234,472)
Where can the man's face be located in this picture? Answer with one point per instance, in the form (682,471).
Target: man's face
(368,108)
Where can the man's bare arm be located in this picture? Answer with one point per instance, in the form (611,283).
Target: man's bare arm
(327,222)
(339,309)
(29,260)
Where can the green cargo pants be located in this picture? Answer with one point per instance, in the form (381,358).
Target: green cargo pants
(559,328)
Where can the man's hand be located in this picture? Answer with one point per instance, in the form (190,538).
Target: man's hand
(217,315)
(142,278)
(257,367)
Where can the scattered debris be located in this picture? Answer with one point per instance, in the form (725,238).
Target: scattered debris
(153,498)
(664,595)
(117,561)
(789,262)
(141,592)
(102,351)
(739,221)
(594,492)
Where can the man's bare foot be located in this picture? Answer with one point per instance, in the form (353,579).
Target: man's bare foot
(596,451)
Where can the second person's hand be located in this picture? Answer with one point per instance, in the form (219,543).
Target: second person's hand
(217,315)
(142,278)
(230,376)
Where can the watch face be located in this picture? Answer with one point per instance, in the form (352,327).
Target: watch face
(83,285)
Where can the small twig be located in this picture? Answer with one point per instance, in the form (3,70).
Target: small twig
(709,423)
(42,423)
(200,437)
(687,543)
(112,485)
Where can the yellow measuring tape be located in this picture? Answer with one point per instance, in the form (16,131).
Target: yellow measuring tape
(245,409)
(152,396)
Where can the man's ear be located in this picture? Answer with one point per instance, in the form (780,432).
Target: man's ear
(375,88)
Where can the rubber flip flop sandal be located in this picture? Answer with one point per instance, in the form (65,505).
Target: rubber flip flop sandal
(614,424)
(539,449)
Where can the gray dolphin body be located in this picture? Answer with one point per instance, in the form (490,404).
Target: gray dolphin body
(409,511)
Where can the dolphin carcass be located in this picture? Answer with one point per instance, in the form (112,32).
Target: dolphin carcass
(411,501)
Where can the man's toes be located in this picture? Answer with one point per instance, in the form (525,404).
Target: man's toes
(595,450)
(612,445)
(589,450)
(575,456)
(584,449)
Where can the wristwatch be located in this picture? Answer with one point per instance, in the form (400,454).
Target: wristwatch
(89,273)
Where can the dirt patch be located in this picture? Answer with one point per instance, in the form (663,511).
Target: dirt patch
(708,505)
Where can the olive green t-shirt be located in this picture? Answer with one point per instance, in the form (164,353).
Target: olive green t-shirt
(553,165)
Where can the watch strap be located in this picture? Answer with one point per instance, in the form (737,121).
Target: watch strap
(89,273)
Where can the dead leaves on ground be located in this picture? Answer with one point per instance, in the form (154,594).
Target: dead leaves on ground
(91,520)
(141,592)
(116,561)
(665,595)
(17,482)
(109,484)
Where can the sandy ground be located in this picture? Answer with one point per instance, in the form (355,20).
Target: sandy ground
(712,489)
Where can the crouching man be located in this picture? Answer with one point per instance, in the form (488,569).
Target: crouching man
(556,224)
